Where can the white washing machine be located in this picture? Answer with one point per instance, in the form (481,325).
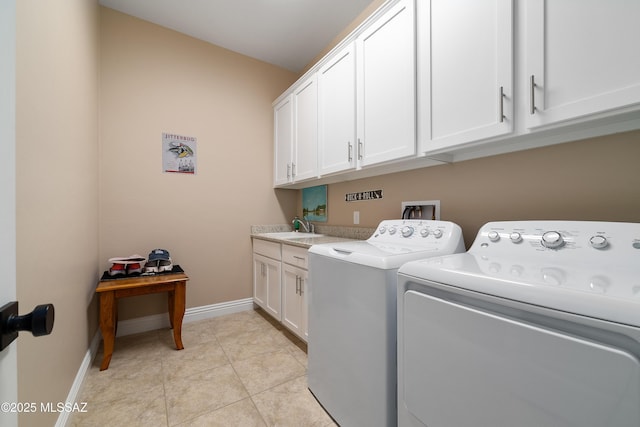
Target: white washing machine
(538,324)
(352,317)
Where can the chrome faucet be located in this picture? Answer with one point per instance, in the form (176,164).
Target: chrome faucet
(308,227)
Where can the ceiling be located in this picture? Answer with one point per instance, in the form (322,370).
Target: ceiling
(287,33)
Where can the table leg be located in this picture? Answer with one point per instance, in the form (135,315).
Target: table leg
(172,296)
(176,312)
(108,313)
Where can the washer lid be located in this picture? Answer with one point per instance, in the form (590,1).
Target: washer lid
(397,241)
(378,255)
(604,291)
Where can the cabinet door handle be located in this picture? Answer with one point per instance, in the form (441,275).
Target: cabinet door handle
(350,151)
(301,282)
(532,95)
(301,258)
(288,170)
(293,170)
(359,149)
(502,95)
(297,285)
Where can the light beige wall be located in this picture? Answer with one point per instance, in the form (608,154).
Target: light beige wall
(155,80)
(56,191)
(595,179)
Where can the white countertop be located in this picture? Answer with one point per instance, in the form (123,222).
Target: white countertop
(305,240)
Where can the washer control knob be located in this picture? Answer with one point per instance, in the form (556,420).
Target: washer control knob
(424,232)
(598,242)
(515,237)
(392,230)
(406,231)
(437,233)
(493,236)
(552,239)
(382,229)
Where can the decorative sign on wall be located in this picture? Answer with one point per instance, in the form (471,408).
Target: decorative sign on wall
(314,203)
(179,153)
(363,195)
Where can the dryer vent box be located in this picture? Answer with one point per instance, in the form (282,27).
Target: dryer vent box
(426,209)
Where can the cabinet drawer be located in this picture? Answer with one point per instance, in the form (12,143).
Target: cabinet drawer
(295,255)
(266,248)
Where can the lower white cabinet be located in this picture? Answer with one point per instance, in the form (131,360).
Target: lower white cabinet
(280,273)
(294,307)
(267,277)
(294,295)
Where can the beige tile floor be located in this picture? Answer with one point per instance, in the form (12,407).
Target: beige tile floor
(242,369)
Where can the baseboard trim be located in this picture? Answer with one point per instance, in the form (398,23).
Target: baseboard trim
(144,324)
(193,314)
(72,397)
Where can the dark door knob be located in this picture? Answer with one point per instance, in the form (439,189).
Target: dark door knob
(39,322)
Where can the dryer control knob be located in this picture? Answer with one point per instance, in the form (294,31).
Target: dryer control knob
(552,239)
(392,230)
(437,233)
(515,237)
(493,236)
(382,229)
(406,231)
(598,242)
(424,232)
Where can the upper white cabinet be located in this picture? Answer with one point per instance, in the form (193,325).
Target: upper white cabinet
(582,58)
(465,71)
(337,112)
(305,124)
(283,140)
(296,134)
(423,82)
(386,92)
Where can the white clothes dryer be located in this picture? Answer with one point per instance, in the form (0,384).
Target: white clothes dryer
(352,317)
(538,324)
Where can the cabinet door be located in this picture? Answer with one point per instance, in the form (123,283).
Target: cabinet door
(293,316)
(259,281)
(386,87)
(581,58)
(283,140)
(267,285)
(337,112)
(305,103)
(465,76)
(304,307)
(274,288)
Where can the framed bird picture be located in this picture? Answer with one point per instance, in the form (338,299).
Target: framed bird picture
(179,154)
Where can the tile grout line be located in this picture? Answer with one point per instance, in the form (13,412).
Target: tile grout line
(282,342)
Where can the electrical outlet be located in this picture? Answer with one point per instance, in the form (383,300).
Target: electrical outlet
(356,217)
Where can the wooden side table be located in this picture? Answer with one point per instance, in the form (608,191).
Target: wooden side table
(112,289)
